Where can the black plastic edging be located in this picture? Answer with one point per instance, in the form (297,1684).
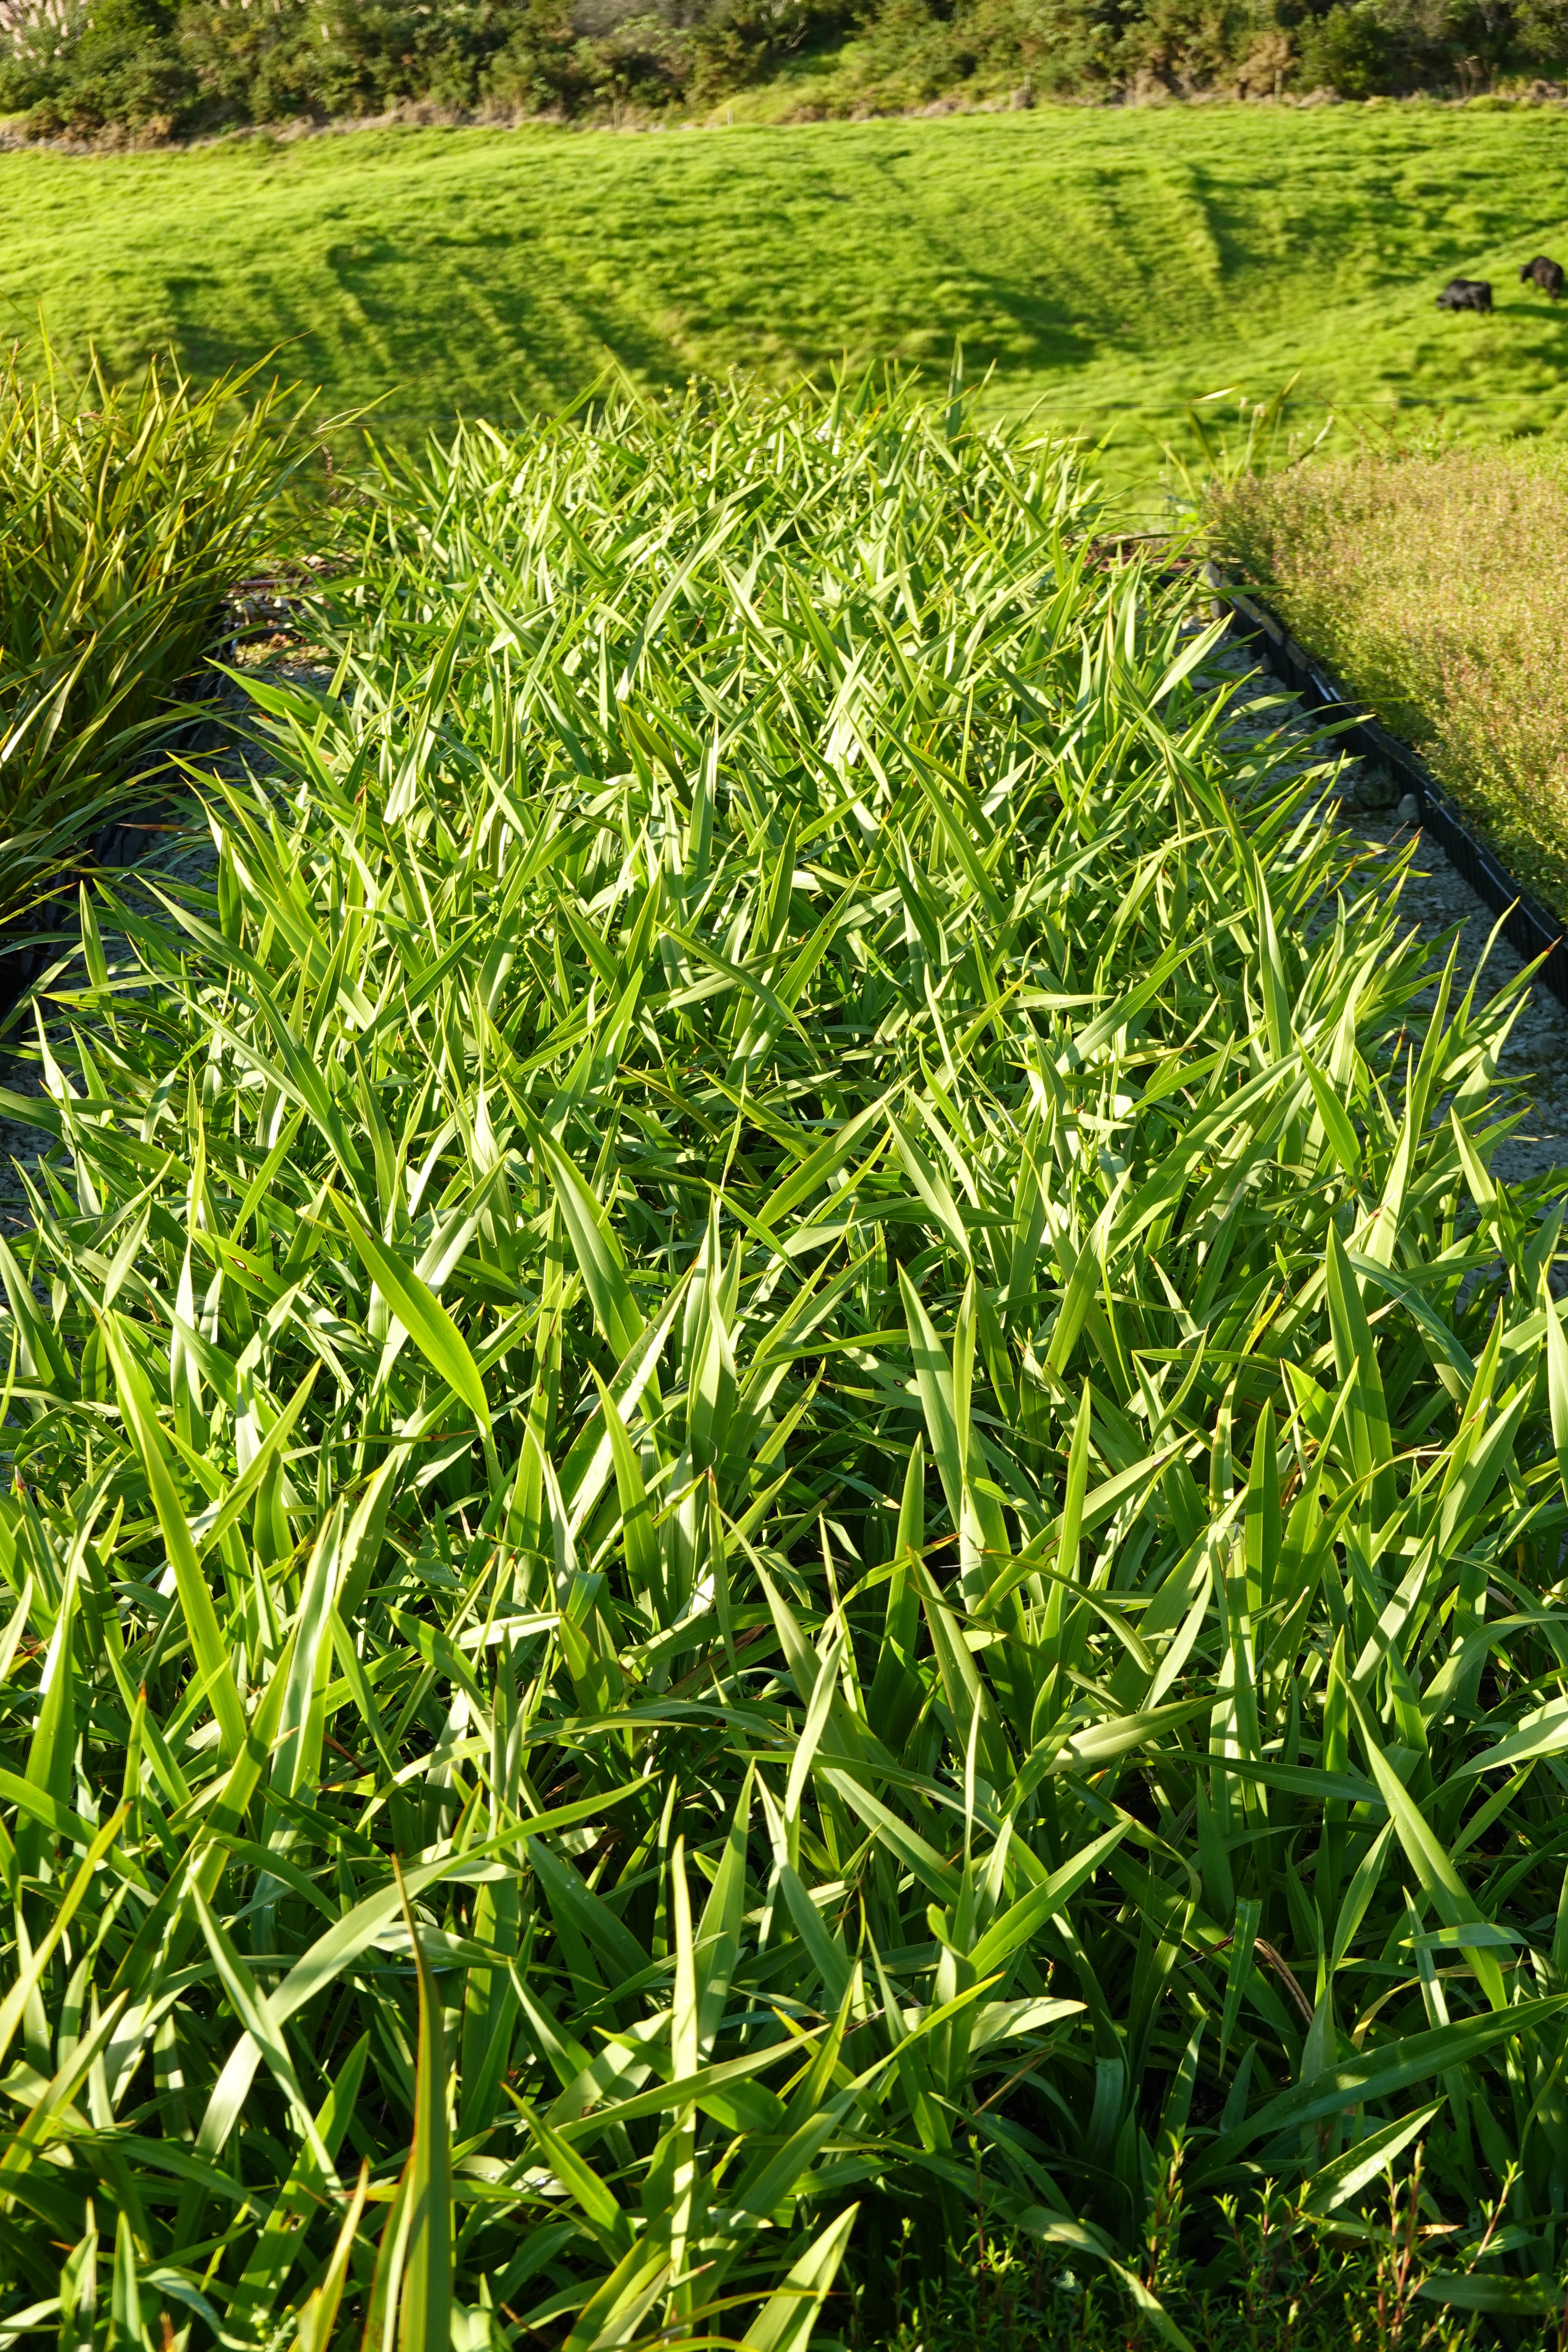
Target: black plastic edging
(1528,928)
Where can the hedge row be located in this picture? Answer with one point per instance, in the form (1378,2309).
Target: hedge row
(181,67)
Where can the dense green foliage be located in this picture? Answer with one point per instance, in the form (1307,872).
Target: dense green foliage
(127,513)
(794,1291)
(150,69)
(1115,264)
(145,68)
(152,66)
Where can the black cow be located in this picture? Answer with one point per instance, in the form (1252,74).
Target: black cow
(1466,294)
(1547,275)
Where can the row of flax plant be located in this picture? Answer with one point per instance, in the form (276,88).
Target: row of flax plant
(780,1468)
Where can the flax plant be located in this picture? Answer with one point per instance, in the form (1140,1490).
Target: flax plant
(780,1461)
(127,510)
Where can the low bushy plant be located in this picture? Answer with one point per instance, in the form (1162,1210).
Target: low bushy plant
(1348,51)
(1271,2278)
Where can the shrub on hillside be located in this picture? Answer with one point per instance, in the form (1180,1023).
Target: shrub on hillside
(735,42)
(113,63)
(1350,50)
(1357,49)
(81,68)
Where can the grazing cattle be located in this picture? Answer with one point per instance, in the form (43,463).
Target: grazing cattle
(1547,275)
(1466,294)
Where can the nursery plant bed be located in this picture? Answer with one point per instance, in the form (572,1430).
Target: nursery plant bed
(1530,928)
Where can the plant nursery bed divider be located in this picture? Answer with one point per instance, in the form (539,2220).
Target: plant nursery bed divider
(1530,930)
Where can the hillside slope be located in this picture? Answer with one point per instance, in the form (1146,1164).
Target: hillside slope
(1115,263)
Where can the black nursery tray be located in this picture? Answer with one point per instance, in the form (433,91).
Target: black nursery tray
(1530,929)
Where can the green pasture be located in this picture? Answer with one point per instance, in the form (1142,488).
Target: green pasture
(1114,264)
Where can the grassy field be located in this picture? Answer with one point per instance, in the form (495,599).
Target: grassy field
(1432,584)
(1115,264)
